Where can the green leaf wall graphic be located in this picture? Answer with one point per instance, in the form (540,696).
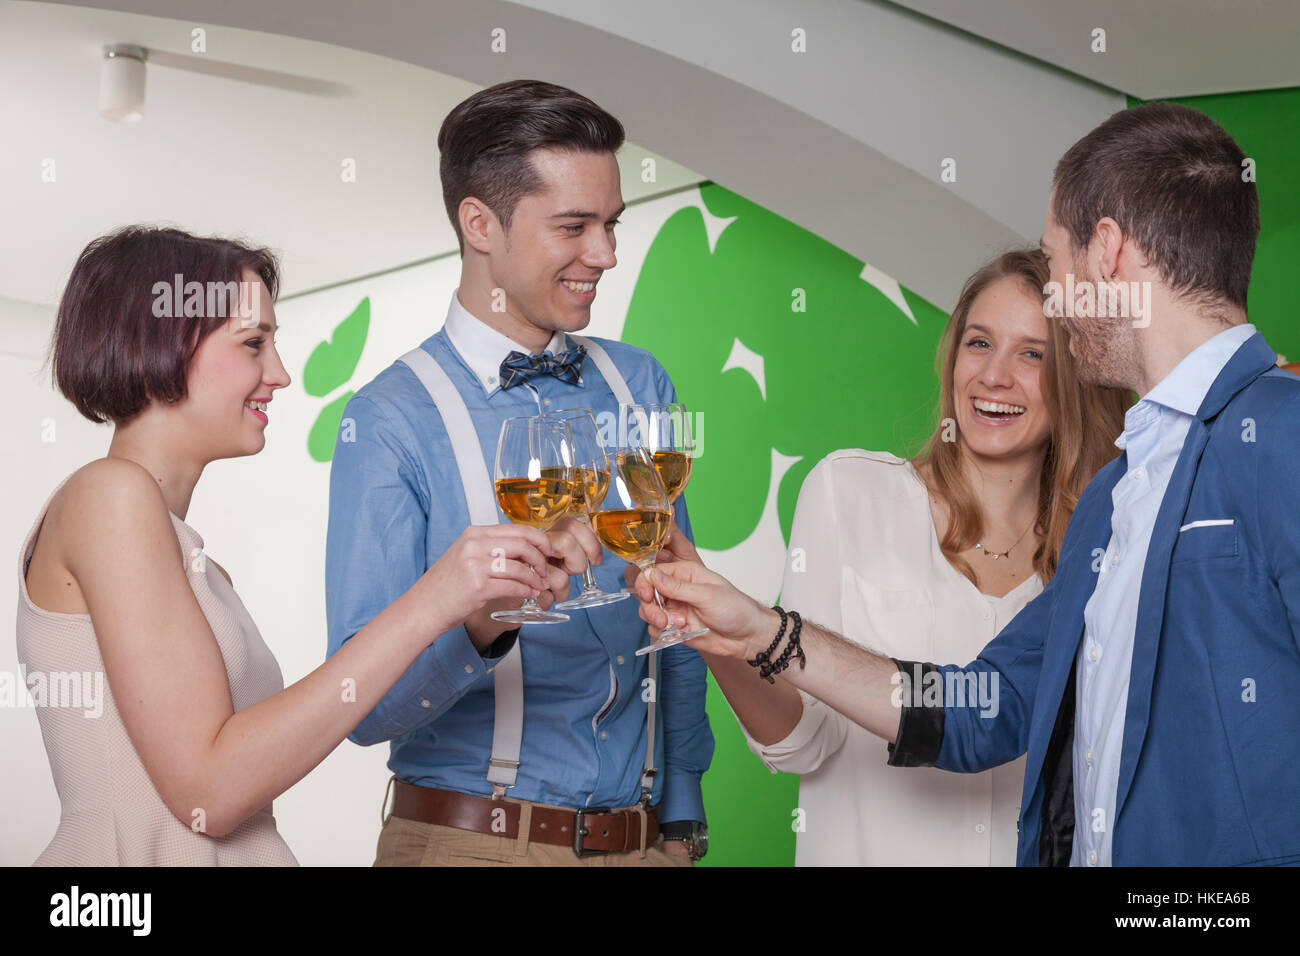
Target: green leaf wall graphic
(851,370)
(329,366)
(332,363)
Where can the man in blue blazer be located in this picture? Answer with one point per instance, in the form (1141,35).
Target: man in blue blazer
(1152,683)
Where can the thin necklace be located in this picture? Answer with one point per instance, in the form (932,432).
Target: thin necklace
(1007,553)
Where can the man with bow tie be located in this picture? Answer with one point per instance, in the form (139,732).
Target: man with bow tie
(542,744)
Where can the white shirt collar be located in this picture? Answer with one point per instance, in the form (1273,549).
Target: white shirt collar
(1185,387)
(484,348)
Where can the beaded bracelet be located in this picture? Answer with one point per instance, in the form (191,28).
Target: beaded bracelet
(762,658)
(782,662)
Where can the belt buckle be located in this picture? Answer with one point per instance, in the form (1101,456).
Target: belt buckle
(580,831)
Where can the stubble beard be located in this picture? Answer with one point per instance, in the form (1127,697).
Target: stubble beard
(1105,346)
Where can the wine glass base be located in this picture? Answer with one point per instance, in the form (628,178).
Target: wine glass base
(529,617)
(593,598)
(669,638)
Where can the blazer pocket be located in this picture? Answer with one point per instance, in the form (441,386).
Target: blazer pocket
(1206,538)
(893,623)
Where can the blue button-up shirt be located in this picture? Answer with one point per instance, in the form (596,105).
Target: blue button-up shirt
(396,506)
(1154,431)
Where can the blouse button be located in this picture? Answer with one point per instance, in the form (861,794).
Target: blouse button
(979,828)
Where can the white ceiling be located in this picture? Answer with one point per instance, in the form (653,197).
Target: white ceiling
(215,155)
(1154,48)
(925,79)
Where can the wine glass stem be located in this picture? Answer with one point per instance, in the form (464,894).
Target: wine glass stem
(588,576)
(658,600)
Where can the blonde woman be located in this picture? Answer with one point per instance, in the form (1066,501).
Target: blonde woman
(927,559)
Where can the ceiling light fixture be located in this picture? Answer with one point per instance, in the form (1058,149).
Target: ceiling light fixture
(121,83)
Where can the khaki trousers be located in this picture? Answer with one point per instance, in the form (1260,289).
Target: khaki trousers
(405,842)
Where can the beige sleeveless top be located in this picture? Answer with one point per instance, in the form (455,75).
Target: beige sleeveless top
(111,813)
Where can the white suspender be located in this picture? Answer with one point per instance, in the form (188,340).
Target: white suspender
(624,395)
(507,726)
(607,369)
(508,719)
(475,480)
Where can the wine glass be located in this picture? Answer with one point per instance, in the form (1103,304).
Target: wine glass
(664,430)
(535,477)
(634,521)
(589,492)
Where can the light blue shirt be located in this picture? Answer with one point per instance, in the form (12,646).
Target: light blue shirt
(396,505)
(1154,431)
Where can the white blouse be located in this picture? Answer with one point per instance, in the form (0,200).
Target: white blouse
(865,562)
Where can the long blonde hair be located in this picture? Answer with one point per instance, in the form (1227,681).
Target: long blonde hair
(1085,421)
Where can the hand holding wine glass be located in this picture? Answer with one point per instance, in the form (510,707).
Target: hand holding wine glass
(491,567)
(535,480)
(730,623)
(572,547)
(635,520)
(676,547)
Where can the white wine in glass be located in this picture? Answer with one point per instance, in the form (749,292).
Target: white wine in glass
(535,482)
(635,521)
(588,493)
(664,430)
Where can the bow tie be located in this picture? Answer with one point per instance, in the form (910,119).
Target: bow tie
(519,367)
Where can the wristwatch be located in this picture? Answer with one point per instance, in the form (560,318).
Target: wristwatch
(691,832)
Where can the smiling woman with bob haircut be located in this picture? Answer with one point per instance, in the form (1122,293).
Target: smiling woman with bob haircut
(198,733)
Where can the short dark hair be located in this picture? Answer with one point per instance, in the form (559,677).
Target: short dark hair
(112,355)
(485,142)
(1174,181)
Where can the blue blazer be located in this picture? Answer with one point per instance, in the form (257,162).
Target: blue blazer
(1210,765)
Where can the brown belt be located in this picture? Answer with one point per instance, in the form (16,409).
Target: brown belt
(589,830)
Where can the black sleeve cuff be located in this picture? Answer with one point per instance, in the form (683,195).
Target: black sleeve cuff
(920,728)
(681,829)
(501,646)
